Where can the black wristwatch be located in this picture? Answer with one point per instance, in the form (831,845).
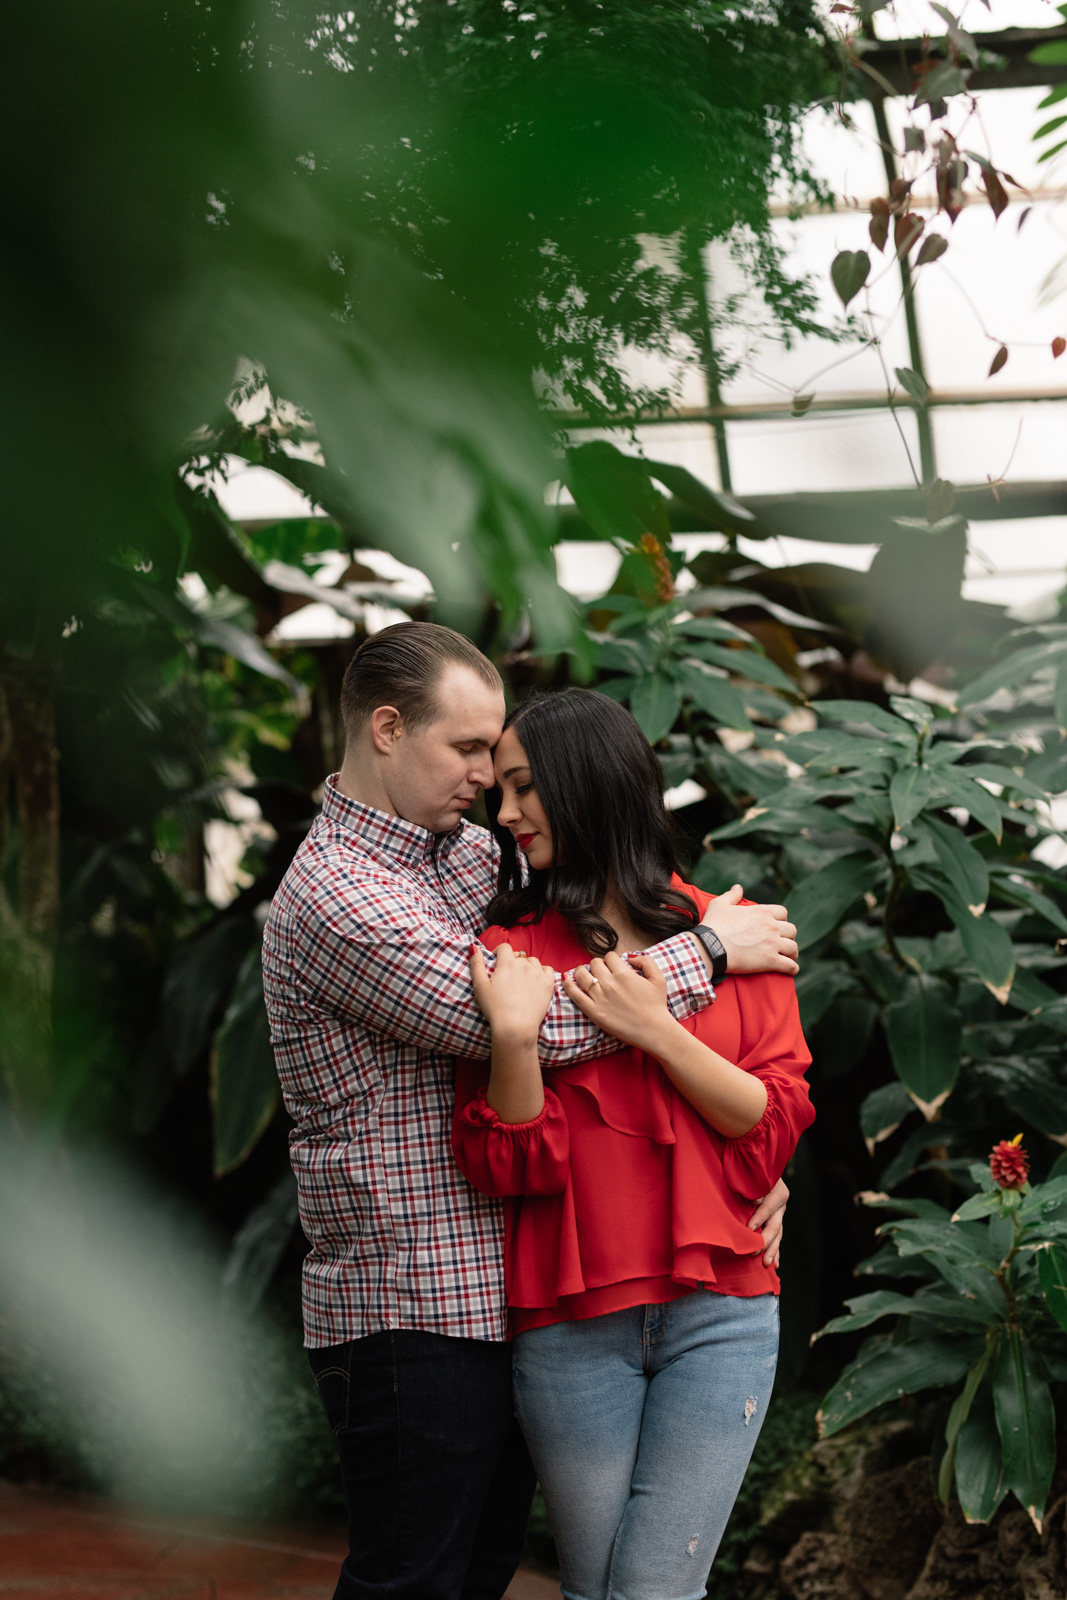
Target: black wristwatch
(715,948)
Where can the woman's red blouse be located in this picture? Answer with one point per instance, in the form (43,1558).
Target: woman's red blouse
(619,1193)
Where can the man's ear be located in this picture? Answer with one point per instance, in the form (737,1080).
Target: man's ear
(386,727)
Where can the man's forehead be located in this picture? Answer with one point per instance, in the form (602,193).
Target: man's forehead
(470,711)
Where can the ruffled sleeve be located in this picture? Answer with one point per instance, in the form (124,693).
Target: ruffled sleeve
(773,1050)
(508,1158)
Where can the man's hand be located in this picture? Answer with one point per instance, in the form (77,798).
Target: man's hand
(756,938)
(768,1218)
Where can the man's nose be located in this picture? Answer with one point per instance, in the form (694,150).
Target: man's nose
(481,773)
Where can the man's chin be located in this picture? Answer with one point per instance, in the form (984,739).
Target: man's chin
(449,819)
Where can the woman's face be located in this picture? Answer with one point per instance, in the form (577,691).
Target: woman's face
(521,811)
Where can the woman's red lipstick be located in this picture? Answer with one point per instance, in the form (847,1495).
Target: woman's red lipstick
(523,839)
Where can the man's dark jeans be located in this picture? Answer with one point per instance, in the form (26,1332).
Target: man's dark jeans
(436,1475)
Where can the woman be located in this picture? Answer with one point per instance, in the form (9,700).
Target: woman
(645,1322)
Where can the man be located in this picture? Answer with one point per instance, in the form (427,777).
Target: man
(365,960)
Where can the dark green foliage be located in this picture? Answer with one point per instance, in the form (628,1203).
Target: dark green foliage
(991,1320)
(384,256)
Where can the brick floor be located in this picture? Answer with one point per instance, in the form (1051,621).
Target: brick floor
(63,1547)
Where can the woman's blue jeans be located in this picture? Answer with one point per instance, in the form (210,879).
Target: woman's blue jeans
(641,1424)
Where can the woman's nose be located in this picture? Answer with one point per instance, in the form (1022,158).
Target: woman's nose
(509,811)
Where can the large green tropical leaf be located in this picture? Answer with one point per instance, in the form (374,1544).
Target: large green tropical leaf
(817,904)
(1030,1087)
(1052,1273)
(785,812)
(655,702)
(987,944)
(924,1031)
(1026,1423)
(936,1304)
(1006,777)
(961,863)
(960,1411)
(885,1371)
(714,694)
(748,663)
(615,493)
(883,1111)
(244,1079)
(960,1252)
(712,508)
(909,790)
(1046,1200)
(862,714)
(826,749)
(1017,668)
(200,977)
(980,1479)
(959,790)
(1012,886)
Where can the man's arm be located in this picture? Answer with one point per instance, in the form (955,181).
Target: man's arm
(365,950)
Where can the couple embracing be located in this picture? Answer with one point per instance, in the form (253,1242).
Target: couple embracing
(539,1085)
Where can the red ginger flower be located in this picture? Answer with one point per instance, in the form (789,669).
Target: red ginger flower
(656,557)
(1009,1163)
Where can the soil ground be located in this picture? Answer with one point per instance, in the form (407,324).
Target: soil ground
(76,1547)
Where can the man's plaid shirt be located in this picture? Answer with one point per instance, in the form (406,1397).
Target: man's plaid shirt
(365,967)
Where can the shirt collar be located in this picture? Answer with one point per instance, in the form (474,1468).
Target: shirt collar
(404,843)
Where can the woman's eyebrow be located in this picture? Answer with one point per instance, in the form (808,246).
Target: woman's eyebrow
(511,771)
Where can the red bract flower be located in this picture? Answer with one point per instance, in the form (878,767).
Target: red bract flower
(663,577)
(1009,1163)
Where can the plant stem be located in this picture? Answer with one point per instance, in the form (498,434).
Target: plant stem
(891,900)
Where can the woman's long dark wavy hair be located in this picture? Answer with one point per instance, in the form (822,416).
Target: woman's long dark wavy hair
(602,791)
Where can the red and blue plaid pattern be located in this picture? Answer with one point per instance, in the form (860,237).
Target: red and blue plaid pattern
(365,971)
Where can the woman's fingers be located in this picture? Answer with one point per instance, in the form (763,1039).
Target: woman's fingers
(576,993)
(648,967)
(768,1219)
(479,975)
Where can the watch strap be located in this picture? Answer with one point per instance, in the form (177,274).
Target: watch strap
(715,948)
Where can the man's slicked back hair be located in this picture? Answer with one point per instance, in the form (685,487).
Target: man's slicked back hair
(402,666)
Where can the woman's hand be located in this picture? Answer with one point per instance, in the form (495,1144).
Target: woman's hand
(768,1219)
(630,1001)
(627,999)
(514,1000)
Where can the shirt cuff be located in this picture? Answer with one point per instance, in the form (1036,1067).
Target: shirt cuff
(481,1113)
(689,985)
(756,1135)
